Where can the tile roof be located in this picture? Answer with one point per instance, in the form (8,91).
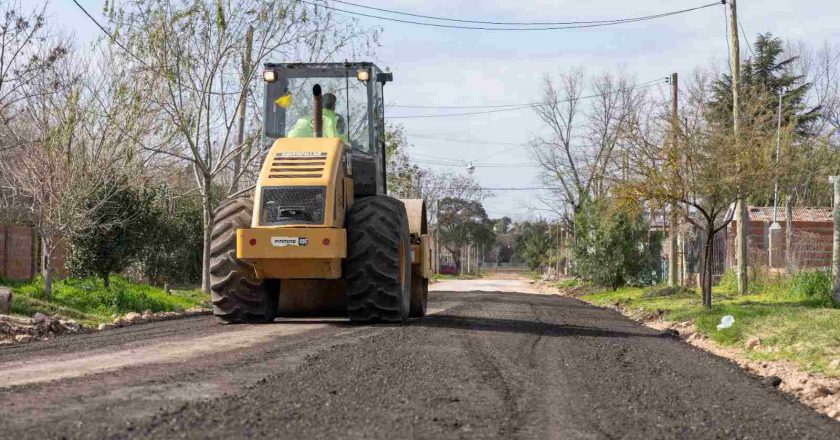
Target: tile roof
(765,213)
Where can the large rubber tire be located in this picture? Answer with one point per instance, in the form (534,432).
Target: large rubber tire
(238,296)
(378,264)
(419,293)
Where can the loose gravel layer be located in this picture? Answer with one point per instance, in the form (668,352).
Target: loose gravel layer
(490,365)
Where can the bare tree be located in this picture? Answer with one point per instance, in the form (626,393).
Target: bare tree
(194,53)
(579,157)
(78,122)
(23,58)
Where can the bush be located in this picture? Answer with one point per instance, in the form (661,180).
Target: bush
(119,217)
(728,281)
(816,285)
(173,250)
(611,247)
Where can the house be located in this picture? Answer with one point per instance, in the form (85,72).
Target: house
(811,248)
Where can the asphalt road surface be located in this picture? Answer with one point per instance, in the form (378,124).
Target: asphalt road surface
(485,364)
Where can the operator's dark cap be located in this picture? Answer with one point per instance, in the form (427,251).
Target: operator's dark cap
(329,101)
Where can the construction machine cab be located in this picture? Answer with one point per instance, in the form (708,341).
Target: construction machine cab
(359,112)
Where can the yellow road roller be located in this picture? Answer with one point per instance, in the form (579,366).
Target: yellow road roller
(320,236)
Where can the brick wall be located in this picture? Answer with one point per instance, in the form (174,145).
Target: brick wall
(812,242)
(19,259)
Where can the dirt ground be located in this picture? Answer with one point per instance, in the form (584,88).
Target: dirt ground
(494,359)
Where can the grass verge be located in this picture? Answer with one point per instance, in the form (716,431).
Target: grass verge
(89,302)
(794,323)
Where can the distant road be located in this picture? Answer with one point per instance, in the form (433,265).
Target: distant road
(494,360)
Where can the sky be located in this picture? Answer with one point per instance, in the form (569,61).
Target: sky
(444,67)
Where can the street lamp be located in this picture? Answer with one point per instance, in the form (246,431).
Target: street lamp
(775,232)
(782,92)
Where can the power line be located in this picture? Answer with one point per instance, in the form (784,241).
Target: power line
(728,43)
(508,23)
(524,104)
(478,165)
(465,141)
(533,188)
(746,38)
(482,28)
(446,115)
(140,60)
(527,106)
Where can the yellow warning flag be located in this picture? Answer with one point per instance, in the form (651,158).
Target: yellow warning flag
(284,101)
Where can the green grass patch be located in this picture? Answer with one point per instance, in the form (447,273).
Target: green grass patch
(89,302)
(792,317)
(570,283)
(463,276)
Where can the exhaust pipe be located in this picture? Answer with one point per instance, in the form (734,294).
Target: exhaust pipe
(318,118)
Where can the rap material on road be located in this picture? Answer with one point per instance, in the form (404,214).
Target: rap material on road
(236,293)
(378,267)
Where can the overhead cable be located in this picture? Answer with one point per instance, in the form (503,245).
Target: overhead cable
(527,106)
(534,26)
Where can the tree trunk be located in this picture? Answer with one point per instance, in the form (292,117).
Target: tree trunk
(673,250)
(243,107)
(835,255)
(789,234)
(742,231)
(456,257)
(208,228)
(47,269)
(706,278)
(106,279)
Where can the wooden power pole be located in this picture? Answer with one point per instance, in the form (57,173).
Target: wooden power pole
(741,227)
(836,248)
(243,107)
(673,255)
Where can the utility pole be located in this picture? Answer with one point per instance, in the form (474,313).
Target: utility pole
(243,106)
(559,247)
(836,251)
(741,227)
(675,125)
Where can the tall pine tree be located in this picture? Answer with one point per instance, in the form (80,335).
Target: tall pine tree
(762,77)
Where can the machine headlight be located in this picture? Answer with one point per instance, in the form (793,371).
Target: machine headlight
(363,75)
(269,76)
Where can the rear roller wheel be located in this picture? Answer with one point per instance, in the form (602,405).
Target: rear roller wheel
(238,296)
(419,293)
(378,265)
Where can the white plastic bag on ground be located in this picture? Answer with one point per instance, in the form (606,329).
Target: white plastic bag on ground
(726,322)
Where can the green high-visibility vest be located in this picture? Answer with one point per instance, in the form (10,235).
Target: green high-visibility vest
(305,127)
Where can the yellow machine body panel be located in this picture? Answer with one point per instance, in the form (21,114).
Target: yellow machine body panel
(314,247)
(305,162)
(293,252)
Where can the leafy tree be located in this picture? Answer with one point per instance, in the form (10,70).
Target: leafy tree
(463,222)
(172,252)
(609,248)
(119,218)
(702,174)
(533,244)
(502,225)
